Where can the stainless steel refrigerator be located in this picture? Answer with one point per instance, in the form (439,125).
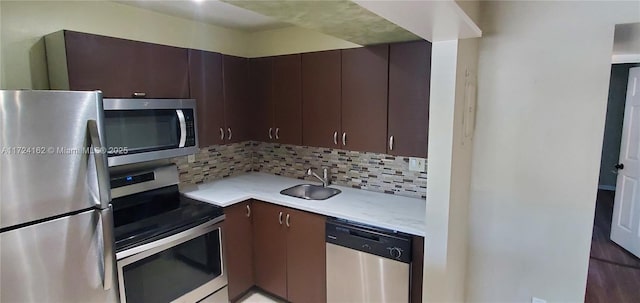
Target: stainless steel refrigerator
(56,225)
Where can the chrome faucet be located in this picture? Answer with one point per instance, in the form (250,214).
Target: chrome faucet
(324,179)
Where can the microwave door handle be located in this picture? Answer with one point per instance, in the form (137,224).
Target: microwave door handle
(183,127)
(100,157)
(108,254)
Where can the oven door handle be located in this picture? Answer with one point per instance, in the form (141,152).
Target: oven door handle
(183,127)
(108,254)
(167,241)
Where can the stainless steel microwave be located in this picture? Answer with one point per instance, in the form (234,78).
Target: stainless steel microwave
(140,130)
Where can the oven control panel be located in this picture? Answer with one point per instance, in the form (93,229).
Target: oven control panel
(132,179)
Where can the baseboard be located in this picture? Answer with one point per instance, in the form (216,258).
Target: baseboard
(607,187)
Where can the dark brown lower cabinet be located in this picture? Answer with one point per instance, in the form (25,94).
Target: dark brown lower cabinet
(289,253)
(238,248)
(282,251)
(306,257)
(269,243)
(417,264)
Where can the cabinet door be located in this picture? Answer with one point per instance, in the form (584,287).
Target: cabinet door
(236,98)
(306,257)
(238,248)
(269,244)
(101,63)
(260,82)
(165,72)
(409,81)
(288,99)
(121,67)
(364,98)
(205,77)
(321,99)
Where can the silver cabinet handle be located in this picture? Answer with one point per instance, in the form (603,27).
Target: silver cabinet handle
(221,134)
(139,94)
(344,139)
(335,138)
(280,218)
(391,143)
(248,211)
(100,157)
(108,256)
(270,132)
(277,133)
(183,128)
(230,133)
(288,225)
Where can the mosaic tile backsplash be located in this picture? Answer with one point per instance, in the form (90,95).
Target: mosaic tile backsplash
(363,170)
(216,162)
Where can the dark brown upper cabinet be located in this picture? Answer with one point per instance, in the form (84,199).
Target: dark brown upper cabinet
(205,82)
(321,97)
(287,99)
(409,81)
(237,106)
(260,70)
(276,98)
(120,68)
(364,98)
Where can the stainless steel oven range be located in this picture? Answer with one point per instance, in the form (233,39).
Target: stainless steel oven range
(168,247)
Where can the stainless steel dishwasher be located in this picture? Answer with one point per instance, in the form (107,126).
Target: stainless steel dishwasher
(366,264)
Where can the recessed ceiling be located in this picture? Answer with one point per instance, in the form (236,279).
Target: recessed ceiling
(211,12)
(343,19)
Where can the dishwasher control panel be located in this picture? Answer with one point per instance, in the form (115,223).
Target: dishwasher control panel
(365,238)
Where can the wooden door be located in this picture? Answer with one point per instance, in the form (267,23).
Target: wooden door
(306,257)
(270,247)
(262,119)
(165,72)
(238,248)
(205,79)
(101,63)
(364,98)
(287,99)
(236,98)
(625,227)
(321,98)
(121,67)
(409,81)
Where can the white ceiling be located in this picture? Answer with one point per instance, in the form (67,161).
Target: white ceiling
(627,39)
(210,11)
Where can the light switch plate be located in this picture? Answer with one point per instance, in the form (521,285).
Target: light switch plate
(191,158)
(417,164)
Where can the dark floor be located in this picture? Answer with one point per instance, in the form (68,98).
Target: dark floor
(614,273)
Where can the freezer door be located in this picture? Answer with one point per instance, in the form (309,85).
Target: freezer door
(45,169)
(61,260)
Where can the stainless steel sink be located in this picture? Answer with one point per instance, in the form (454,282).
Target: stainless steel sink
(311,192)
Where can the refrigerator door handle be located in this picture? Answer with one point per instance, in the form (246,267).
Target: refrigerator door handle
(100,156)
(108,254)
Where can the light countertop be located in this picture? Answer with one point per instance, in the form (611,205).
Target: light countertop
(389,211)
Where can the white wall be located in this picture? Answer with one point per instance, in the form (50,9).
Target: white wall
(449,171)
(543,77)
